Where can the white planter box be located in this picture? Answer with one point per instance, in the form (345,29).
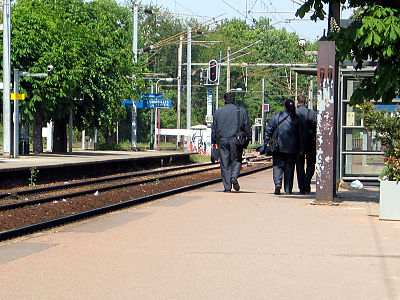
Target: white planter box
(389,200)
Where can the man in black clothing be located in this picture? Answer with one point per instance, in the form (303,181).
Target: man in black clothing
(224,128)
(285,127)
(308,120)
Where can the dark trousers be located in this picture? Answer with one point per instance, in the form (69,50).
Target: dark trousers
(283,166)
(304,176)
(230,160)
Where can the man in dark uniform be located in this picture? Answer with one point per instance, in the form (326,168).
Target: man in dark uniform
(308,121)
(285,127)
(224,128)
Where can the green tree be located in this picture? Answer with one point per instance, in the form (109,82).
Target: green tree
(108,62)
(88,45)
(373,35)
(44,33)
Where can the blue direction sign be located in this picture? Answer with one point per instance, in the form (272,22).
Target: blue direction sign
(126,103)
(151,96)
(157,103)
(389,108)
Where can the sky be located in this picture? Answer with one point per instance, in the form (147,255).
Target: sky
(281,12)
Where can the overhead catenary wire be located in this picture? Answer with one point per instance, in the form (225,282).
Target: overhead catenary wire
(174,37)
(172,40)
(235,9)
(176,2)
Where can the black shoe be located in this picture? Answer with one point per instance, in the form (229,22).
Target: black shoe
(235,184)
(307,189)
(227,191)
(277,190)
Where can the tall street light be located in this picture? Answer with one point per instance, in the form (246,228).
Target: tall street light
(17,75)
(6,27)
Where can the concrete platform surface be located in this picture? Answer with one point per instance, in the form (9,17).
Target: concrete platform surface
(206,244)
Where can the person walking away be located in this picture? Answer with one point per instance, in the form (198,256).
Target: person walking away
(308,121)
(224,128)
(290,144)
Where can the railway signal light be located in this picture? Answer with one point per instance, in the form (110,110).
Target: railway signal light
(212,72)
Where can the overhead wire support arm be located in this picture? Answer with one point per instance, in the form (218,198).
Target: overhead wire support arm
(260,64)
(27,74)
(297,19)
(271,12)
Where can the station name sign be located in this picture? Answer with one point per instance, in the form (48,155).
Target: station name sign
(152,96)
(157,103)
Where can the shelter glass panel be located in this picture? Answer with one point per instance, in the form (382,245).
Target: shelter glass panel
(363,165)
(359,139)
(352,116)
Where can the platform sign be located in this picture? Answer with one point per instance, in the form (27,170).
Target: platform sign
(158,103)
(152,96)
(14,96)
(266,107)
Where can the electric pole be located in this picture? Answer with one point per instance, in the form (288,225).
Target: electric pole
(327,78)
(228,70)
(179,100)
(135,60)
(6,78)
(189,80)
(262,110)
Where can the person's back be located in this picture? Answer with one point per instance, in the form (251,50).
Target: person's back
(226,121)
(224,128)
(308,123)
(288,131)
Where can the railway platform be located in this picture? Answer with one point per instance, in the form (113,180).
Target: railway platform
(52,166)
(207,244)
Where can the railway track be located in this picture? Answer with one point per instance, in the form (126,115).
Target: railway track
(45,194)
(46,211)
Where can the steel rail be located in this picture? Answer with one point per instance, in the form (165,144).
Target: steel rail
(100,180)
(16,232)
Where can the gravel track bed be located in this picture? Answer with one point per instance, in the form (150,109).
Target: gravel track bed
(16,198)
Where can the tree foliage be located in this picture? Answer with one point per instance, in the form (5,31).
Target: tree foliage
(373,35)
(88,44)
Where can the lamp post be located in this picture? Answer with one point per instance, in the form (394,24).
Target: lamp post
(158,112)
(6,77)
(17,74)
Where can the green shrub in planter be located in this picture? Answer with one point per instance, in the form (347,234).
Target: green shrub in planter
(387,125)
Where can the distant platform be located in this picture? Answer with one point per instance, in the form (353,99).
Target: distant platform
(53,166)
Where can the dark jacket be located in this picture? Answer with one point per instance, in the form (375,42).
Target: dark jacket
(308,122)
(225,122)
(289,136)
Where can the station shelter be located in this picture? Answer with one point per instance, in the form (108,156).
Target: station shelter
(359,154)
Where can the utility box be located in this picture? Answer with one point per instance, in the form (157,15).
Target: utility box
(23,145)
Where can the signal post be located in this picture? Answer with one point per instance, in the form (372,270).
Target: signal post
(210,82)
